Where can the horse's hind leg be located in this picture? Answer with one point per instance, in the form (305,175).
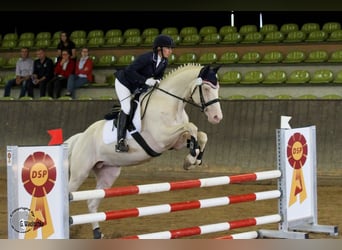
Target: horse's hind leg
(105,178)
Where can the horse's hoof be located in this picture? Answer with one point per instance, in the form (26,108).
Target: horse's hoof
(97,233)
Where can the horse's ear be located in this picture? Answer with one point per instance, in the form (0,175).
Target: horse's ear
(215,69)
(204,71)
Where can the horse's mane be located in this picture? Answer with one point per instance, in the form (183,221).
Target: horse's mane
(181,68)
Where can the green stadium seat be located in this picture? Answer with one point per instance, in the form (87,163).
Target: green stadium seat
(267,28)
(132,41)
(96,42)
(125,60)
(295,56)
(329,27)
(3,61)
(252,37)
(113,33)
(322,76)
(236,97)
(192,39)
(260,97)
(336,56)
(335,36)
(150,32)
(95,33)
(42,43)
(298,76)
(78,34)
(27,36)
(250,57)
(316,36)
(10,37)
(114,41)
(148,40)
(131,32)
(272,57)
(187,57)
(188,30)
(11,62)
(170,31)
(207,58)
(26,98)
(176,38)
(248,28)
(309,27)
(80,42)
(331,97)
(172,58)
(307,97)
(252,77)
(273,37)
(226,29)
(296,36)
(9,44)
(283,97)
(338,77)
(43,35)
(317,56)
(207,30)
(230,77)
(229,57)
(286,28)
(56,35)
(275,77)
(231,38)
(105,61)
(25,43)
(211,39)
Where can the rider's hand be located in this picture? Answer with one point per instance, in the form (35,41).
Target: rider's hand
(151,81)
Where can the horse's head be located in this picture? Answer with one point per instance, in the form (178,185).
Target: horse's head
(207,86)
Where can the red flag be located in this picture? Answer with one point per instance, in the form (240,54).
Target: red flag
(56,136)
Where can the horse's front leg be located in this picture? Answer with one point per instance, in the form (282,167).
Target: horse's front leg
(196,147)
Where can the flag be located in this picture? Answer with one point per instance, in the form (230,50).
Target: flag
(56,136)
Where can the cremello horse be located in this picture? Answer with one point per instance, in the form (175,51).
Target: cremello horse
(165,125)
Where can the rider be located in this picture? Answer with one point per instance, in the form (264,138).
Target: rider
(146,69)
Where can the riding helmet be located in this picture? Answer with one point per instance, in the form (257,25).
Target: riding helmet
(163,41)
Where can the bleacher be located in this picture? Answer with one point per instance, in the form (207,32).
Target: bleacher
(269,62)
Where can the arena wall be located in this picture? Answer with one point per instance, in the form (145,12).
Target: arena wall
(244,141)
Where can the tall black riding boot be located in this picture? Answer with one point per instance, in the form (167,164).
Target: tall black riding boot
(121,129)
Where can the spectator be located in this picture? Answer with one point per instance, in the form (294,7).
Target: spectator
(63,69)
(43,68)
(83,73)
(66,43)
(23,72)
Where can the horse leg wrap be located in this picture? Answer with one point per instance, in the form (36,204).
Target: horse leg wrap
(200,156)
(192,145)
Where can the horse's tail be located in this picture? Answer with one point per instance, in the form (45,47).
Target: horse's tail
(71,142)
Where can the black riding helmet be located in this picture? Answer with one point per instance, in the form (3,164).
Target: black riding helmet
(163,41)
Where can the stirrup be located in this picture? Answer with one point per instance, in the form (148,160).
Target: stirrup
(121,146)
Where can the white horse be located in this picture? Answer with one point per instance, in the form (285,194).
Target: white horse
(163,125)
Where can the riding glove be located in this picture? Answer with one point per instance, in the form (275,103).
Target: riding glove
(151,82)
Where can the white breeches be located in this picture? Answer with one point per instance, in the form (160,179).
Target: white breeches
(124,96)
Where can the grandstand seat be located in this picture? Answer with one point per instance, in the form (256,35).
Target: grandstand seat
(275,77)
(252,77)
(231,38)
(10,37)
(132,41)
(27,36)
(131,32)
(309,27)
(25,43)
(93,58)
(42,43)
(267,28)
(307,97)
(172,58)
(150,32)
(230,77)
(79,41)
(316,36)
(250,57)
(8,77)
(229,57)
(260,97)
(125,60)
(207,30)
(54,43)
(248,28)
(188,30)
(286,28)
(331,26)
(170,31)
(113,33)
(148,40)
(9,44)
(273,37)
(95,33)
(226,29)
(298,76)
(207,58)
(192,39)
(335,36)
(96,42)
(43,35)
(236,97)
(188,57)
(331,97)
(176,38)
(336,56)
(338,77)
(11,62)
(252,37)
(317,56)
(294,56)
(56,35)
(114,41)
(105,61)
(213,38)
(283,97)
(296,36)
(272,57)
(2,61)
(322,76)
(78,34)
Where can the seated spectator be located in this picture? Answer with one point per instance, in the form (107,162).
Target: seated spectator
(66,43)
(63,69)
(43,68)
(23,72)
(83,73)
